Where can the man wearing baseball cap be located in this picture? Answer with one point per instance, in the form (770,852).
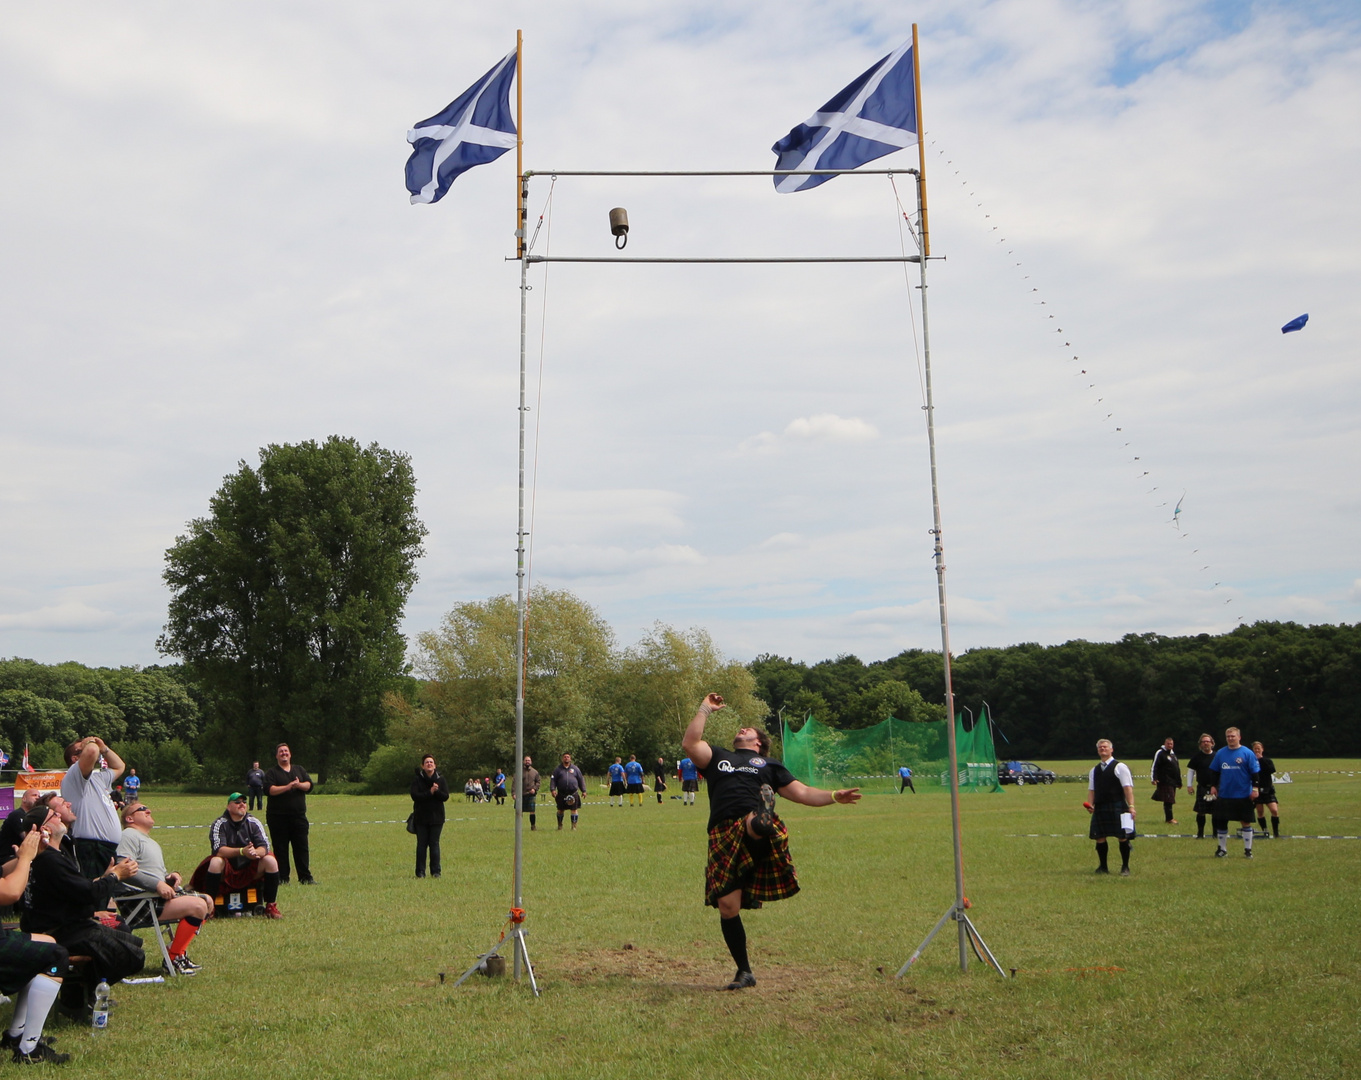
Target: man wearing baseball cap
(240,856)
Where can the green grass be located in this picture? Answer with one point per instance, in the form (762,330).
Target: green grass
(1196,965)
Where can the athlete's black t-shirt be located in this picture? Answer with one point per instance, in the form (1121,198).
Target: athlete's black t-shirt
(735,778)
(1199,767)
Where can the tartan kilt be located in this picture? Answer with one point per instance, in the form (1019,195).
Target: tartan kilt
(233,877)
(732,865)
(21,958)
(1106,822)
(1165,793)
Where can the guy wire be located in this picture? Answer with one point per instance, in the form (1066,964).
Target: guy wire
(907,281)
(546,212)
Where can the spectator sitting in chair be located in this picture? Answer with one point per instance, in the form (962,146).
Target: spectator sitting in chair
(174,903)
(240,857)
(61,901)
(12,831)
(31,968)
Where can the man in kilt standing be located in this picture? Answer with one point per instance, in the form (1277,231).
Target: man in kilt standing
(1110,793)
(749,861)
(1198,771)
(1166,777)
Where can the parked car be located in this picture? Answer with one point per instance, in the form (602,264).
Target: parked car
(1023,772)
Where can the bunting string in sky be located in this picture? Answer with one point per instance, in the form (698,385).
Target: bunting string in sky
(475,128)
(874,116)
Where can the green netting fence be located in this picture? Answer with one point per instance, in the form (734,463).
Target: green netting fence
(869,758)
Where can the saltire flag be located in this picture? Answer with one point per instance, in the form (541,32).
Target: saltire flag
(874,116)
(27,766)
(475,128)
(1297,323)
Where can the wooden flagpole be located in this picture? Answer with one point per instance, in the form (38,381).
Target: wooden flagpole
(520,218)
(921,140)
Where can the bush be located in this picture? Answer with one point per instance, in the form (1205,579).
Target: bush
(389,770)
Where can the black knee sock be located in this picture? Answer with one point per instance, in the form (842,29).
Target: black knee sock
(271,889)
(1101,850)
(1167,811)
(1200,826)
(735,934)
(574,819)
(1124,854)
(214,884)
(1261,823)
(533,820)
(559,819)
(1275,826)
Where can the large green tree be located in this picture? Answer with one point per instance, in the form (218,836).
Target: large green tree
(286,599)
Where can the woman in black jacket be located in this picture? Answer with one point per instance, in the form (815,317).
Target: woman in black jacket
(429,793)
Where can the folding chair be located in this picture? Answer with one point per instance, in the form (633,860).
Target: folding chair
(138,910)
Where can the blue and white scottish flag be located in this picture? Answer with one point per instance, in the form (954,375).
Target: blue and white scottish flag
(477,127)
(874,116)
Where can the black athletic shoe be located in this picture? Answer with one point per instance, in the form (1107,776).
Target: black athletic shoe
(741,981)
(1220,853)
(1101,870)
(1262,836)
(307,881)
(1247,854)
(40,1054)
(184,959)
(763,824)
(11,1042)
(1124,871)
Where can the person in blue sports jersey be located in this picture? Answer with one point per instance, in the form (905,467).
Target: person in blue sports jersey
(905,776)
(132,786)
(633,780)
(1234,770)
(617,784)
(689,775)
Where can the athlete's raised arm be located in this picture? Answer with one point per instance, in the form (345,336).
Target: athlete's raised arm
(699,751)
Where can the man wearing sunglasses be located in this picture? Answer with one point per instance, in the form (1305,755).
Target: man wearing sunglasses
(174,903)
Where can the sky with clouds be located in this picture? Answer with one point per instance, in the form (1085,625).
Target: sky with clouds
(206,247)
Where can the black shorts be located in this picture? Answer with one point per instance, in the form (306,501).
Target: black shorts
(1232,810)
(567,800)
(636,789)
(1266,795)
(658,784)
(617,787)
(689,785)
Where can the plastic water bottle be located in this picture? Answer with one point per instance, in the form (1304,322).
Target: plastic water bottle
(99,1017)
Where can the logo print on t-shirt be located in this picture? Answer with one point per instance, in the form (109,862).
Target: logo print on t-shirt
(758,761)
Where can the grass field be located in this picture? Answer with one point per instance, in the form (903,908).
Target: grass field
(1193,965)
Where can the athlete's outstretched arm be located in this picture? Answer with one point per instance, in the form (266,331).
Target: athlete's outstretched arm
(798,792)
(692,742)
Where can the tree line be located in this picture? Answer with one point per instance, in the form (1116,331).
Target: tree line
(1296,688)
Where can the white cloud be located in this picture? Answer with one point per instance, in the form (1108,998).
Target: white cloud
(822,428)
(71,616)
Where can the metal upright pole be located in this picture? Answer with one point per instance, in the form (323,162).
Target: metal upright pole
(522,249)
(944,618)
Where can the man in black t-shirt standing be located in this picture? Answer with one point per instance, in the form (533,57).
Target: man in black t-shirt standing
(569,788)
(286,815)
(749,859)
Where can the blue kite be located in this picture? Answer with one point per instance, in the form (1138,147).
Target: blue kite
(1295,324)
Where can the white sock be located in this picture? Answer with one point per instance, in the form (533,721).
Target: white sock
(1247,838)
(42,995)
(16,1024)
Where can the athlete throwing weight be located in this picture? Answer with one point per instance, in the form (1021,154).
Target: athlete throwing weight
(748,843)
